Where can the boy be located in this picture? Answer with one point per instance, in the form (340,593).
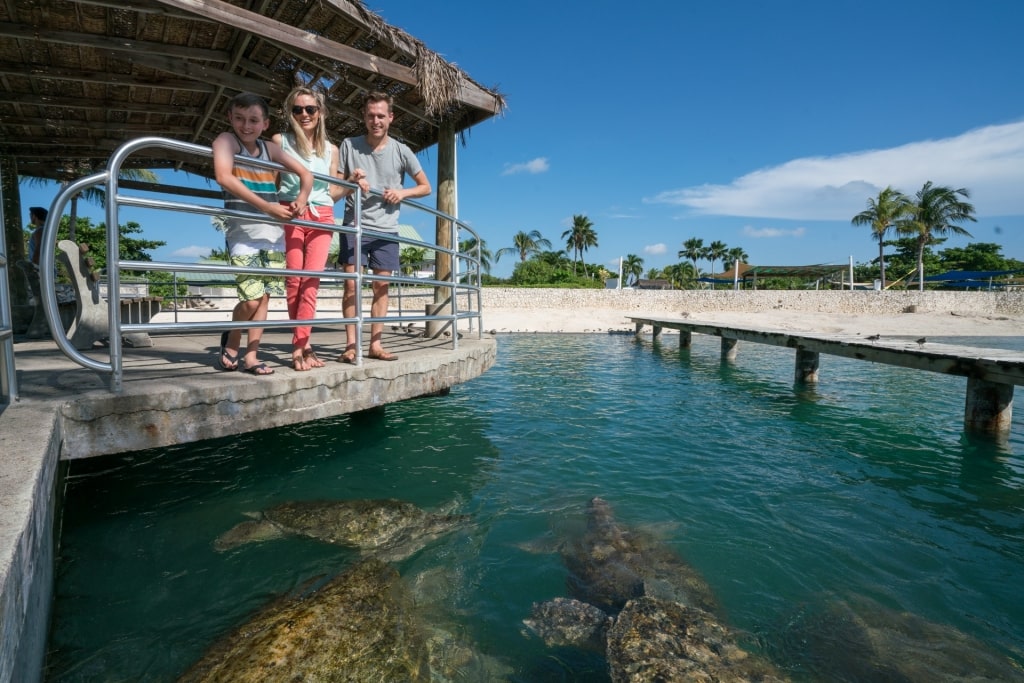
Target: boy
(251,243)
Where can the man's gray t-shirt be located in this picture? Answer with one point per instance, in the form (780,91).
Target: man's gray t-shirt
(385,169)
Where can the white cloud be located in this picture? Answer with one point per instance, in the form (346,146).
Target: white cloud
(759,233)
(655,249)
(987,161)
(538,165)
(192,252)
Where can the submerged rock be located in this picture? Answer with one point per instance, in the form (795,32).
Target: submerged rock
(386,528)
(659,640)
(645,608)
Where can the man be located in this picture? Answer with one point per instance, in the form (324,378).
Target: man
(375,162)
(37,217)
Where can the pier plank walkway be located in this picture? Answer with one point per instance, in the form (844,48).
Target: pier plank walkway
(991,373)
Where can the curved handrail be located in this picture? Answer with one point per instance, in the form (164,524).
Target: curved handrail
(117,200)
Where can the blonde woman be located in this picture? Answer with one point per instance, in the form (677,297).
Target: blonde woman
(306,248)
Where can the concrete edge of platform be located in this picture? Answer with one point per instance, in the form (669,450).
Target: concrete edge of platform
(28,503)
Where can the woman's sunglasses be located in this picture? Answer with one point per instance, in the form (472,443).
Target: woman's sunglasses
(309,109)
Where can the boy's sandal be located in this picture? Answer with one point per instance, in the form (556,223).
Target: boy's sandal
(348,357)
(299,363)
(260,369)
(232,361)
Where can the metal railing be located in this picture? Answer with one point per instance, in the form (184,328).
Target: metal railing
(8,375)
(465,284)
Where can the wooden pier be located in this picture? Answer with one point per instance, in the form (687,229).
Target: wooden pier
(991,373)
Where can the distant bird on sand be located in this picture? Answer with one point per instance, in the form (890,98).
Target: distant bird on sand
(874,337)
(921,341)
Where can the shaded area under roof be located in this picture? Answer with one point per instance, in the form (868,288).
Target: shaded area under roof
(80,77)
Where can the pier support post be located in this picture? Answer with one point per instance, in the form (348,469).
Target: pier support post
(988,407)
(685,339)
(657,332)
(639,329)
(729,348)
(806,367)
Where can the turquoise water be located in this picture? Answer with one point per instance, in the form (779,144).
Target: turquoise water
(784,498)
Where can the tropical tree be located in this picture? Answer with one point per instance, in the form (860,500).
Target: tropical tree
(410,259)
(734,256)
(882,214)
(580,237)
(555,259)
(632,268)
(469,247)
(693,249)
(935,213)
(524,244)
(716,250)
(681,274)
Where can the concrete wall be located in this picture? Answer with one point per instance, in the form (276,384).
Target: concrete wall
(655,302)
(28,500)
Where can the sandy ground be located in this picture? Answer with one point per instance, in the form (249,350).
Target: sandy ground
(604,320)
(904,324)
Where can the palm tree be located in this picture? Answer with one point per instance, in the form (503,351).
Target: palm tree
(715,251)
(632,267)
(883,214)
(524,244)
(934,213)
(681,273)
(693,249)
(469,246)
(734,256)
(579,238)
(555,259)
(411,258)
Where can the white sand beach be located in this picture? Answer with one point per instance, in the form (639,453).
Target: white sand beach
(930,323)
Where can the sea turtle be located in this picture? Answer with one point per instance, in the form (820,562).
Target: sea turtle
(386,528)
(362,625)
(612,564)
(647,610)
(857,638)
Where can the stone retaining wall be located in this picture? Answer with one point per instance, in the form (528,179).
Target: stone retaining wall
(658,302)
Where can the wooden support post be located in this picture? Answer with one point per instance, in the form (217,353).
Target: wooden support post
(443,230)
(729,348)
(988,407)
(657,332)
(685,339)
(639,329)
(806,367)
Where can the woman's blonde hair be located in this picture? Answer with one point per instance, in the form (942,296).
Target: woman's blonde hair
(305,146)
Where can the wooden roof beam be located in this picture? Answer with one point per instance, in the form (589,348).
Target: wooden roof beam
(290,38)
(105,43)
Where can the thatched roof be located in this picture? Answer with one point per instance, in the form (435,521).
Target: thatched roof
(79,77)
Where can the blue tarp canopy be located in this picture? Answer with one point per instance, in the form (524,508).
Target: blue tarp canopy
(963,275)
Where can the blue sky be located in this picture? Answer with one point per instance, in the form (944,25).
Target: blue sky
(766,125)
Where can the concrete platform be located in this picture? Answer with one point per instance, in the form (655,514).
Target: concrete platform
(173,392)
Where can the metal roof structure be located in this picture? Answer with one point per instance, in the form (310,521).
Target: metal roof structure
(80,77)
